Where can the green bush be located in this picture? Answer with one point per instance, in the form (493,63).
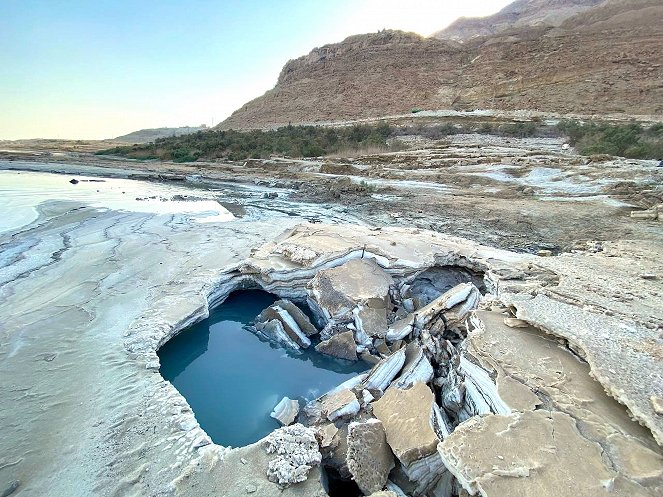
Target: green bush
(630,140)
(292,141)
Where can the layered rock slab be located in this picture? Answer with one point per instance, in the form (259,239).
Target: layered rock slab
(337,291)
(538,453)
(406,416)
(533,369)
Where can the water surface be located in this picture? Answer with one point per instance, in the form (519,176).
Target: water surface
(232,379)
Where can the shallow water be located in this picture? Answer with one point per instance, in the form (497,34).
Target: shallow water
(21,192)
(232,380)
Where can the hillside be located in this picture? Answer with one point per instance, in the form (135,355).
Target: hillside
(151,134)
(606,59)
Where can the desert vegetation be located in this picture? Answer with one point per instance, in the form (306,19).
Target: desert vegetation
(590,138)
(291,141)
(633,140)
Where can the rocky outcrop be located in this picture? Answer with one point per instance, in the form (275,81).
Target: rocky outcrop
(369,458)
(535,452)
(281,322)
(465,292)
(274,331)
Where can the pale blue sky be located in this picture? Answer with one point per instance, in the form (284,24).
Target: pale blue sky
(99,68)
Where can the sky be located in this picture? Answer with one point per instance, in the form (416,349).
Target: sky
(94,69)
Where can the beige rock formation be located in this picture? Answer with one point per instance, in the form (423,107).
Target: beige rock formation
(532,453)
(338,290)
(534,370)
(342,346)
(369,458)
(406,416)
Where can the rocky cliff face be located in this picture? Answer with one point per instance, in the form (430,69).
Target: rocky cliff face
(605,59)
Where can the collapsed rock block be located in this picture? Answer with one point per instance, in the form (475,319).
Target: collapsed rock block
(369,458)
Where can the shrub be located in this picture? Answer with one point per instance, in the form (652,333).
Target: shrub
(630,140)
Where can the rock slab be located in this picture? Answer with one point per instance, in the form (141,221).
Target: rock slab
(406,415)
(369,458)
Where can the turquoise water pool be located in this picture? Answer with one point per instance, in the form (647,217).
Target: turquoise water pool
(232,379)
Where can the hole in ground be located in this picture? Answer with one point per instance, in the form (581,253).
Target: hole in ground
(338,487)
(232,379)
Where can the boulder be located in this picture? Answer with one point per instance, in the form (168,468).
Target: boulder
(372,322)
(296,452)
(335,292)
(369,458)
(298,315)
(406,416)
(288,323)
(286,411)
(274,332)
(342,346)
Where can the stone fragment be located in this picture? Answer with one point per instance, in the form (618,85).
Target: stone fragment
(385,371)
(274,332)
(417,368)
(418,320)
(326,435)
(296,452)
(342,346)
(286,411)
(288,323)
(369,358)
(657,404)
(382,348)
(384,493)
(369,458)
(516,323)
(335,292)
(406,416)
(481,395)
(339,404)
(298,315)
(371,321)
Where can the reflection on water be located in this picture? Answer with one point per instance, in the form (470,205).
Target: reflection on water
(21,192)
(232,380)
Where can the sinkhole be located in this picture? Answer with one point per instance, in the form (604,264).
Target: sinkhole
(232,379)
